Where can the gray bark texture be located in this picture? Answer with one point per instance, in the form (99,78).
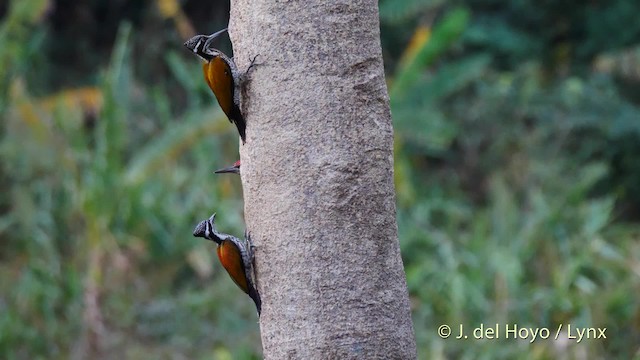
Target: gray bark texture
(317,176)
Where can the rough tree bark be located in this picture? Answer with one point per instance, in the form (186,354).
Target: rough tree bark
(317,176)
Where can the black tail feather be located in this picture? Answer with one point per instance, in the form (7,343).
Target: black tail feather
(237,118)
(253,293)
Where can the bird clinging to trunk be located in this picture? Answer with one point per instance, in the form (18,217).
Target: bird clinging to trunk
(222,76)
(235,256)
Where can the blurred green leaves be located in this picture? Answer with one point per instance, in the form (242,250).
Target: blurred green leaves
(512,178)
(398,11)
(90,234)
(517,177)
(444,34)
(22,16)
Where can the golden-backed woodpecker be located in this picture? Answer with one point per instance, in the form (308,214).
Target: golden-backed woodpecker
(222,76)
(234,169)
(235,256)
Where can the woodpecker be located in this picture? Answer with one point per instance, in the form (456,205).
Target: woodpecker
(222,76)
(235,256)
(235,169)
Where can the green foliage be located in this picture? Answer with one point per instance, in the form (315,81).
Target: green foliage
(443,36)
(513,182)
(398,11)
(97,255)
(517,174)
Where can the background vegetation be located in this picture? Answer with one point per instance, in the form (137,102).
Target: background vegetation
(517,172)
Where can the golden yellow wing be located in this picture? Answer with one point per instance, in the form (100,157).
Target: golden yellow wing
(231,260)
(220,80)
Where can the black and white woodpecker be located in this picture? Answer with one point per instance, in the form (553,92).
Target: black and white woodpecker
(222,76)
(236,257)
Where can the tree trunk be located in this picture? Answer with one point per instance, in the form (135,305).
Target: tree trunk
(317,175)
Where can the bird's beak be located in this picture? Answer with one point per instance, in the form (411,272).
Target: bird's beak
(230,169)
(217,33)
(199,43)
(210,38)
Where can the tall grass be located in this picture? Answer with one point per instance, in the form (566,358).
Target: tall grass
(101,190)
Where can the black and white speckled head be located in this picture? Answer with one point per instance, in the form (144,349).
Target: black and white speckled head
(205,229)
(195,44)
(201,45)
